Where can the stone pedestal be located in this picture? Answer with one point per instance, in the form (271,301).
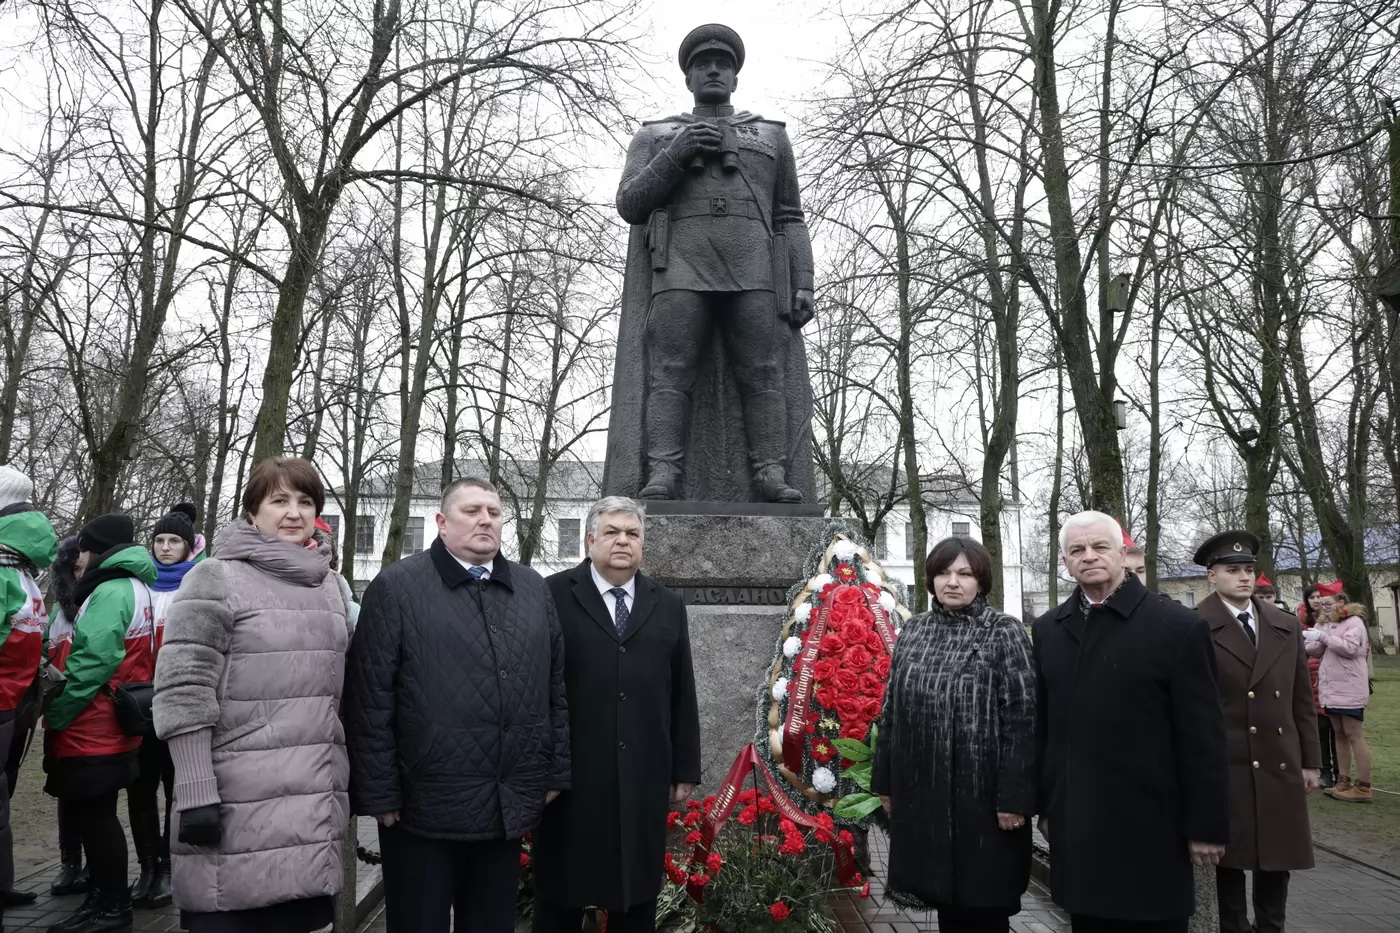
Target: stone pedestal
(734,572)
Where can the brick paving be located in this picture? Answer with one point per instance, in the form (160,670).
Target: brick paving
(48,910)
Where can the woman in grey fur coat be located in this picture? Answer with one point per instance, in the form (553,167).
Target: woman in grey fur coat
(955,759)
(248,687)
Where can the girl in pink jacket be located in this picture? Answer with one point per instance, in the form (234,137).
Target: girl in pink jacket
(1343,685)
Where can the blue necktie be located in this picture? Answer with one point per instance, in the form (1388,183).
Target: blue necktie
(476,573)
(620,614)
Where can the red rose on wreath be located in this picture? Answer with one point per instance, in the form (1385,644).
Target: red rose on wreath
(850,708)
(831,644)
(854,632)
(850,595)
(855,730)
(779,912)
(857,658)
(827,696)
(882,667)
(846,680)
(874,642)
(872,708)
(824,669)
(871,686)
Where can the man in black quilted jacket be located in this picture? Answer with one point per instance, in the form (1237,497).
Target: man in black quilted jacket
(456,719)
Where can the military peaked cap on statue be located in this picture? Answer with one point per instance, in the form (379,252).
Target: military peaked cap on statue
(708,37)
(1228,547)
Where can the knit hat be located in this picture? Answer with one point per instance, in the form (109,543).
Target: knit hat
(176,522)
(15,487)
(187,509)
(106,532)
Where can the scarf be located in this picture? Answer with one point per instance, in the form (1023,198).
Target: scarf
(975,611)
(94,577)
(11,558)
(168,576)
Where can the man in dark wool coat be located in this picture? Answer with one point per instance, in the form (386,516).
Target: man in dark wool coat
(635,730)
(456,719)
(1133,780)
(1271,728)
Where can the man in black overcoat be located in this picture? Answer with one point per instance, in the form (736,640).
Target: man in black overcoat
(1134,785)
(635,732)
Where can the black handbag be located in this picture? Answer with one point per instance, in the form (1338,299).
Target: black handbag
(134,704)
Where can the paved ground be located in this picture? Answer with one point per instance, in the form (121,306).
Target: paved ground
(49,910)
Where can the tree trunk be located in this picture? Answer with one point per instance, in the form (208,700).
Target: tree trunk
(1093,402)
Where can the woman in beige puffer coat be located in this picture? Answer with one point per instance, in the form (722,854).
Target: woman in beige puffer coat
(247,694)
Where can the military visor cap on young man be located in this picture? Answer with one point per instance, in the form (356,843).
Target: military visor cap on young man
(1228,547)
(709,37)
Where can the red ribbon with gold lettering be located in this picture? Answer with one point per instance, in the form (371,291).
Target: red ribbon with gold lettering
(795,726)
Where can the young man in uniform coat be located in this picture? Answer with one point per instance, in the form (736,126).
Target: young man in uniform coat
(1271,731)
(1133,779)
(635,730)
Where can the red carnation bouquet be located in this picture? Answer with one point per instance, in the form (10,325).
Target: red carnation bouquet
(826,686)
(761,872)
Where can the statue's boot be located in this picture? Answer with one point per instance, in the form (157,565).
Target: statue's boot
(765,417)
(667,410)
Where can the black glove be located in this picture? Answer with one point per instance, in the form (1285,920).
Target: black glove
(200,826)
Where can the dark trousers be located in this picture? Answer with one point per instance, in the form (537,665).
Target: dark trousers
(143,803)
(1270,901)
(1080,923)
(7,839)
(972,920)
(424,879)
(1328,741)
(640,918)
(104,841)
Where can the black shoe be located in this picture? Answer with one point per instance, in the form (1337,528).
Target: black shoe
(71,878)
(14,898)
(161,893)
(114,916)
(76,920)
(1326,780)
(141,890)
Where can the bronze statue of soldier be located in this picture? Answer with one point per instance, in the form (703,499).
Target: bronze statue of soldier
(713,195)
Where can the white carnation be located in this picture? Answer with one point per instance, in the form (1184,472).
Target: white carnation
(821,580)
(873,576)
(823,780)
(780,688)
(887,601)
(802,613)
(792,646)
(843,549)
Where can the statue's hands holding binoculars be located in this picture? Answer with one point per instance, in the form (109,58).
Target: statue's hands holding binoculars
(804,305)
(698,138)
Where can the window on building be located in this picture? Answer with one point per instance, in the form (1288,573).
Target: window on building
(334,522)
(569,539)
(909,541)
(962,529)
(364,535)
(413,536)
(882,548)
(1188,599)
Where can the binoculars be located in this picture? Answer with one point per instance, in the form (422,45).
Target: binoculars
(728,152)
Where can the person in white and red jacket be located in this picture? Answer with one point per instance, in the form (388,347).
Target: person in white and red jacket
(27,545)
(89,758)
